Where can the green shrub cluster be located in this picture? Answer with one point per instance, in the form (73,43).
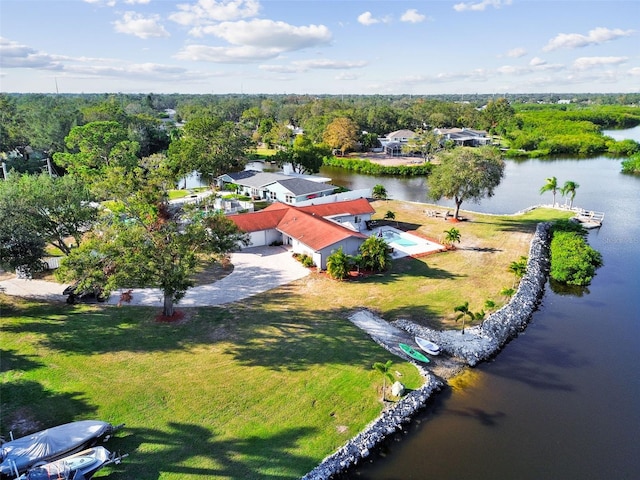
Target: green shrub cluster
(573,260)
(304,259)
(632,164)
(366,167)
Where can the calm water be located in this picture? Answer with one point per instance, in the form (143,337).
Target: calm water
(561,401)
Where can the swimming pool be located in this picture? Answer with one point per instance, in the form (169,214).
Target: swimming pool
(393,237)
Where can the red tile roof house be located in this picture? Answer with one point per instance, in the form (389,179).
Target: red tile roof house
(314,230)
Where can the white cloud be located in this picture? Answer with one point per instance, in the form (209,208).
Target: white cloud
(480,6)
(366,18)
(16,55)
(584,63)
(537,61)
(635,71)
(134,2)
(242,54)
(206,12)
(330,64)
(594,37)
(108,3)
(268,34)
(322,64)
(516,52)
(412,16)
(133,23)
(280,68)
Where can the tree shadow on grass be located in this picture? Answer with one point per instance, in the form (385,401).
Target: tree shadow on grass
(296,340)
(408,267)
(12,360)
(28,407)
(186,449)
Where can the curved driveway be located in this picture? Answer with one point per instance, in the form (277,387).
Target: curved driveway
(256,270)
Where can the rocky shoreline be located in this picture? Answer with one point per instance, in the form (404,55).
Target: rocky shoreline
(477,344)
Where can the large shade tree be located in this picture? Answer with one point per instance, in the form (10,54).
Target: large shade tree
(52,209)
(304,156)
(144,241)
(95,147)
(341,134)
(466,173)
(210,147)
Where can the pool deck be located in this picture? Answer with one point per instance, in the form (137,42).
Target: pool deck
(421,248)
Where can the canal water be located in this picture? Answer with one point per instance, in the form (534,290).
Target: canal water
(562,400)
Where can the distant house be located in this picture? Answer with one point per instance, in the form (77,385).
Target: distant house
(314,230)
(276,187)
(464,137)
(394,141)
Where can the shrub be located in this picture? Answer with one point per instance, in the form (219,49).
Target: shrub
(304,259)
(632,164)
(338,265)
(573,261)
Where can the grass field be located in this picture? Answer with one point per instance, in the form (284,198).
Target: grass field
(264,388)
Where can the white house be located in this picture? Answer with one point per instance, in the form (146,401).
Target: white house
(314,230)
(276,187)
(466,137)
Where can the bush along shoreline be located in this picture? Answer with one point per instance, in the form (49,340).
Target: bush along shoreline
(478,343)
(366,167)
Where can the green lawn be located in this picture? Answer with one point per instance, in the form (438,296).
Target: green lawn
(265,388)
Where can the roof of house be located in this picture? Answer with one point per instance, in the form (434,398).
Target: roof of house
(294,184)
(359,206)
(402,134)
(255,179)
(457,131)
(313,230)
(300,186)
(306,224)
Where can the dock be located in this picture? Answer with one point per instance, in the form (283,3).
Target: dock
(589,219)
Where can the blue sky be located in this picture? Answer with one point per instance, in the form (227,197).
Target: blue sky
(320,47)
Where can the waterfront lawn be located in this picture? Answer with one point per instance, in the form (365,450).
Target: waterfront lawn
(264,388)
(250,391)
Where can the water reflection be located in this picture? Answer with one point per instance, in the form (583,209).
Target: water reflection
(562,400)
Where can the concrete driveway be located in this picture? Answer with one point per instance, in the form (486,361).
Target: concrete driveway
(256,270)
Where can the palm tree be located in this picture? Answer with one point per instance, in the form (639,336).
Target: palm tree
(569,189)
(508,291)
(452,235)
(384,369)
(551,185)
(464,312)
(518,268)
(379,192)
(390,216)
(480,316)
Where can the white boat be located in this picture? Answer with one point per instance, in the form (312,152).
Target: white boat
(429,347)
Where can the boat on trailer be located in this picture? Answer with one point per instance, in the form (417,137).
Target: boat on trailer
(428,346)
(19,455)
(79,466)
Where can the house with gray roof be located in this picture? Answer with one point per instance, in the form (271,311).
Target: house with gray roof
(276,186)
(464,137)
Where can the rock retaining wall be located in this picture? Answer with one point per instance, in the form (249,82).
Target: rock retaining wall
(389,422)
(478,343)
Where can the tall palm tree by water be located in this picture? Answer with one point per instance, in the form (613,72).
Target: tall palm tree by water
(569,189)
(552,186)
